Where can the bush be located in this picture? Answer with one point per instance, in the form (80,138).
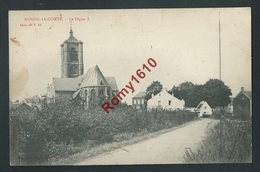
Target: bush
(61,129)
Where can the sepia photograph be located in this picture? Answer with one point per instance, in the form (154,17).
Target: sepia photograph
(130,86)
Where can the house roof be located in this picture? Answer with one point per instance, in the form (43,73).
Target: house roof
(200,104)
(165,95)
(93,77)
(140,94)
(112,82)
(17,105)
(248,94)
(32,100)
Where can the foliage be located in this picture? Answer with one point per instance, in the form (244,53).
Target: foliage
(155,88)
(60,130)
(214,92)
(182,91)
(233,146)
(217,93)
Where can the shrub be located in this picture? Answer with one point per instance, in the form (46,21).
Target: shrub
(63,129)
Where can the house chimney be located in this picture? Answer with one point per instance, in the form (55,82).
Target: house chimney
(242,89)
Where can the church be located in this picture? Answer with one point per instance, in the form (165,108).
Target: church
(88,88)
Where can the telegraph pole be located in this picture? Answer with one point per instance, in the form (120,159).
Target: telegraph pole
(219,46)
(221,108)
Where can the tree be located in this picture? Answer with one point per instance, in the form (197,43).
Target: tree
(195,96)
(182,91)
(154,89)
(216,93)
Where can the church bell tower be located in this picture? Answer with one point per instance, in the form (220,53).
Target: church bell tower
(71,57)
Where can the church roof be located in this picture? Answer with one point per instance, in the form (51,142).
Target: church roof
(112,82)
(93,77)
(66,84)
(72,38)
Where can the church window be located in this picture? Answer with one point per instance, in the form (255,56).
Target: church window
(73,54)
(75,69)
(101,92)
(108,93)
(170,102)
(93,95)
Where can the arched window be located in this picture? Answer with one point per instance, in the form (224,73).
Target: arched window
(101,93)
(108,93)
(93,95)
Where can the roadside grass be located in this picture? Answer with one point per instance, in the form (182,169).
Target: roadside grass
(233,145)
(123,139)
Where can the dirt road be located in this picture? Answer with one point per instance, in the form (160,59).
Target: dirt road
(168,148)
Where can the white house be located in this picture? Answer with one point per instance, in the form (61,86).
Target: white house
(165,101)
(203,109)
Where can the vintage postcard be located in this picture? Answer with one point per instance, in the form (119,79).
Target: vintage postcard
(130,86)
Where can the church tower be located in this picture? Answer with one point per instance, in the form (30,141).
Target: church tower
(71,57)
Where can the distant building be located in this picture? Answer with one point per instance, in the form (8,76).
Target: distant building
(242,104)
(33,101)
(73,83)
(138,101)
(203,109)
(164,100)
(229,108)
(20,106)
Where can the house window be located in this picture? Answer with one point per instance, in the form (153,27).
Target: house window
(159,103)
(205,107)
(169,102)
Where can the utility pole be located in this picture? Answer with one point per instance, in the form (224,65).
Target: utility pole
(219,46)
(221,108)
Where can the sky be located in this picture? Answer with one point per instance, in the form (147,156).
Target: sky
(183,42)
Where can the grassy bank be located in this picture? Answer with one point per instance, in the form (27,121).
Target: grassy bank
(230,143)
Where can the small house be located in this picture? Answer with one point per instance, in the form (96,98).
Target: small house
(164,100)
(242,104)
(20,106)
(203,109)
(138,101)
